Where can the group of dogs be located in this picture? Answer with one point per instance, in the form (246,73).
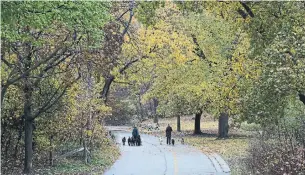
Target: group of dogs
(172,141)
(132,141)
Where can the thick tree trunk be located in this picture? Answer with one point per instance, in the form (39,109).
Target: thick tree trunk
(178,123)
(106,87)
(155,102)
(197,123)
(28,123)
(223,125)
(28,142)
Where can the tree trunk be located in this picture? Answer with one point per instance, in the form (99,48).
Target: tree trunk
(155,102)
(178,123)
(28,124)
(223,125)
(156,119)
(197,123)
(8,144)
(18,141)
(28,142)
(106,87)
(141,107)
(3,91)
(51,151)
(85,151)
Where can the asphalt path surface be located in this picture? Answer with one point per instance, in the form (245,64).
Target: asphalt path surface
(155,158)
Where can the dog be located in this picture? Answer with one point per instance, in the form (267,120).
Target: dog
(160,140)
(132,141)
(124,140)
(182,141)
(173,142)
(139,141)
(129,141)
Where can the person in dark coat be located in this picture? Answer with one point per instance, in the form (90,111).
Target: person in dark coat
(135,132)
(168,134)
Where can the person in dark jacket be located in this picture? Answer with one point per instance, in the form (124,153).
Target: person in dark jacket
(135,132)
(168,134)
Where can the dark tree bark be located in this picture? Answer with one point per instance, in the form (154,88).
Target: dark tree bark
(51,151)
(247,8)
(197,123)
(302,98)
(28,123)
(19,136)
(3,91)
(223,125)
(178,123)
(28,140)
(155,105)
(106,87)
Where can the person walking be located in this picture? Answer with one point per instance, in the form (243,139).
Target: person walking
(135,132)
(168,134)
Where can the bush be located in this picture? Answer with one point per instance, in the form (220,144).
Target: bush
(273,157)
(279,150)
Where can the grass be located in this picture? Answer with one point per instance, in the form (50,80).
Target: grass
(232,149)
(101,160)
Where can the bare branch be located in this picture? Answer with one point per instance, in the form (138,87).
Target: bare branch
(49,103)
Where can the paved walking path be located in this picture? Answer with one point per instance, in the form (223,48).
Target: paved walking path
(154,159)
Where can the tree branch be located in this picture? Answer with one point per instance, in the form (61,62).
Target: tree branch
(128,65)
(130,18)
(49,102)
(121,82)
(51,56)
(6,62)
(50,66)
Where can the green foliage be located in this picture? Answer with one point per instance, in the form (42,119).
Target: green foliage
(146,12)
(19,19)
(44,46)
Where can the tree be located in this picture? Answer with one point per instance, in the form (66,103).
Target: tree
(35,48)
(213,77)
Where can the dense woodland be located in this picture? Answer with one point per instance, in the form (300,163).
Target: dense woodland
(66,66)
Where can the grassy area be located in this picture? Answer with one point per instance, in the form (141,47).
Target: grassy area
(100,161)
(232,149)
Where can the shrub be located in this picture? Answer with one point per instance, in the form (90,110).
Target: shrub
(280,149)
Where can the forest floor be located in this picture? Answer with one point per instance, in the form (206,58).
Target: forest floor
(102,159)
(233,149)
